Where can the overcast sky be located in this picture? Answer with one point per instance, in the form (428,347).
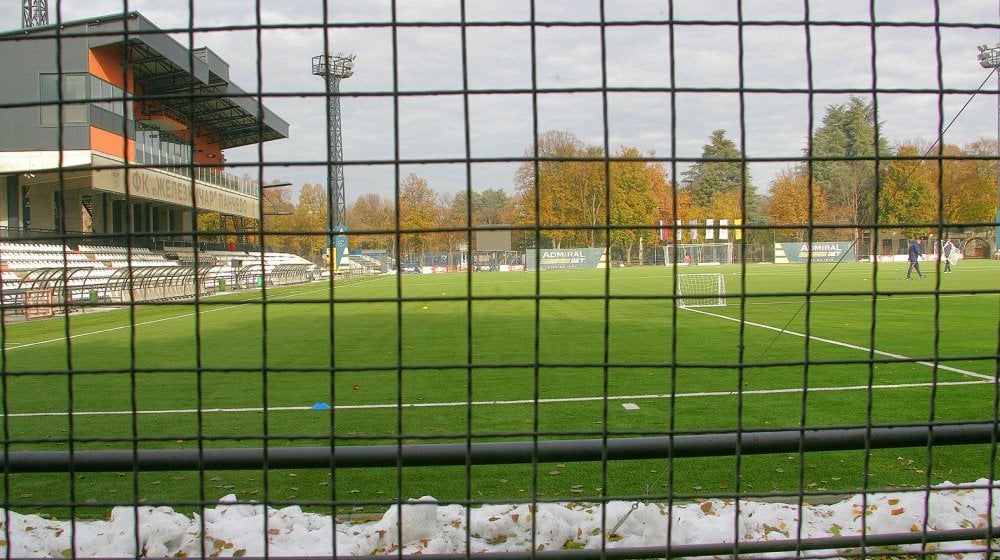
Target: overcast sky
(912,58)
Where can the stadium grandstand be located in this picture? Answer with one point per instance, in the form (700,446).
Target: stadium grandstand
(121,143)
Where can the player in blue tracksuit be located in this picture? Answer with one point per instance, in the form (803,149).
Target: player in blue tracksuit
(914,258)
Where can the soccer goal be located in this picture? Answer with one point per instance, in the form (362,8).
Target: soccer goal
(701,290)
(698,253)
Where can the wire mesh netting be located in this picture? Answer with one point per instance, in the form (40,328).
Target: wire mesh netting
(407,278)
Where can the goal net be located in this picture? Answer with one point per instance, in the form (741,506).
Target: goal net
(698,253)
(701,290)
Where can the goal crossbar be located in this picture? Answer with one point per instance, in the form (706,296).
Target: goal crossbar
(698,254)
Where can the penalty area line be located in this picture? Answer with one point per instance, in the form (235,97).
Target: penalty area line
(557,400)
(844,344)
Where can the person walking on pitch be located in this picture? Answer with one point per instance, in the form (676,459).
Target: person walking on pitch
(914,258)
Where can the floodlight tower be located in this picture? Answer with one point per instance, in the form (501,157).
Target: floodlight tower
(34,13)
(989,57)
(334,68)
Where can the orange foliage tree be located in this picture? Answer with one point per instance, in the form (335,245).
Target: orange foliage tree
(637,189)
(372,213)
(789,205)
(418,210)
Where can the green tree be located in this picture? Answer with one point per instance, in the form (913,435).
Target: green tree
(489,206)
(848,136)
(710,177)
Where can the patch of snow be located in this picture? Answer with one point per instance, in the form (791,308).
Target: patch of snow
(235,529)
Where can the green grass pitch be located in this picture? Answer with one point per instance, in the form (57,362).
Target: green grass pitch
(420,342)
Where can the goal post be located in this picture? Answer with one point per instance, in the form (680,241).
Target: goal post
(698,253)
(701,290)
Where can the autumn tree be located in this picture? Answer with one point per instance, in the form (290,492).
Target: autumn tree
(843,149)
(969,186)
(418,210)
(454,213)
(209,225)
(789,205)
(278,209)
(909,193)
(637,190)
(309,221)
(964,184)
(570,189)
(372,213)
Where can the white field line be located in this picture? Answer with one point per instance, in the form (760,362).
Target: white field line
(986,380)
(150,322)
(843,344)
(658,396)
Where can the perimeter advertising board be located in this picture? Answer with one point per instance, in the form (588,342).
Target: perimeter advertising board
(567,259)
(820,252)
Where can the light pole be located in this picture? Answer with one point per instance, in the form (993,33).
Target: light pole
(989,57)
(334,68)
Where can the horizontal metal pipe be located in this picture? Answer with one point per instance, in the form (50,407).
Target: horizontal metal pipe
(543,451)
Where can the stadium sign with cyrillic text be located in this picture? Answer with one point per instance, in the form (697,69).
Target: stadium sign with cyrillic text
(152,185)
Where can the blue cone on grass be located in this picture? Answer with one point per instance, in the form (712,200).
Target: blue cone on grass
(321,406)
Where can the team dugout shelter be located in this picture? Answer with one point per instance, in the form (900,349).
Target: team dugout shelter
(111,126)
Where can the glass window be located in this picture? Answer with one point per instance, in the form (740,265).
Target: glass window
(107,93)
(75,113)
(48,94)
(74,89)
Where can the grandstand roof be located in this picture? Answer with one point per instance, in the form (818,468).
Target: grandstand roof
(191,84)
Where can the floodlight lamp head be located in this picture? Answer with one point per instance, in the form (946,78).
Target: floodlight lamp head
(343,65)
(339,65)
